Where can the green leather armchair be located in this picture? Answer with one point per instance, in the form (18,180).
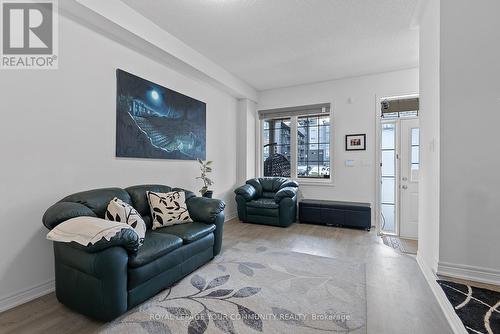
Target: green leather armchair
(108,278)
(268,200)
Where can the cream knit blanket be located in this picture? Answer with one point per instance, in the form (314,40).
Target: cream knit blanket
(86,230)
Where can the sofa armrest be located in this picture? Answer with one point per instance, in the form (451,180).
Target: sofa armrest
(247,191)
(287,192)
(94,284)
(127,238)
(210,211)
(203,209)
(62,211)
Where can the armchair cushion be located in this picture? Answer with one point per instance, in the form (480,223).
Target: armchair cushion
(285,192)
(263,203)
(247,191)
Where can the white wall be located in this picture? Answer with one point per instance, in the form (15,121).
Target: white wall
(354,110)
(428,229)
(246,119)
(57,136)
(470,156)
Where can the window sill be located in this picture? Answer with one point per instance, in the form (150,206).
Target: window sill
(321,183)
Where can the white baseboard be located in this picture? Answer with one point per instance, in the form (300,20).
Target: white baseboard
(26,295)
(469,273)
(448,310)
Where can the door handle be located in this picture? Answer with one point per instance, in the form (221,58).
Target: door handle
(404,186)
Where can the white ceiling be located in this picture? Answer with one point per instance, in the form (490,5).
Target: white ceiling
(278,43)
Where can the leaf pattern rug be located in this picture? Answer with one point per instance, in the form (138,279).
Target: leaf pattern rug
(251,288)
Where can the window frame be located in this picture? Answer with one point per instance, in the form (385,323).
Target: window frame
(294,154)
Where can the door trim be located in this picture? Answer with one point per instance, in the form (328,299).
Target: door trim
(378,178)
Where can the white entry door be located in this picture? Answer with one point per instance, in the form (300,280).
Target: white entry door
(409,174)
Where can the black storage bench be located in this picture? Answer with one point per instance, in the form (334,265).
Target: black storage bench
(334,213)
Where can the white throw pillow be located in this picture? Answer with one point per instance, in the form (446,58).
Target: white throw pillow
(119,211)
(168,208)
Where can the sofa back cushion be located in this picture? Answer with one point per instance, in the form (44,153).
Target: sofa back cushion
(97,200)
(267,186)
(273,184)
(140,199)
(94,203)
(268,194)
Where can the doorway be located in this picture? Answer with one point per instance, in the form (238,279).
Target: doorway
(399,165)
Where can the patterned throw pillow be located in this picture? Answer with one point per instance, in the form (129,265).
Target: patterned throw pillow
(168,208)
(119,211)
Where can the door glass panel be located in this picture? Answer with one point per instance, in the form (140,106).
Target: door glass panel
(388,171)
(388,163)
(415,159)
(388,136)
(415,136)
(415,153)
(388,218)
(388,190)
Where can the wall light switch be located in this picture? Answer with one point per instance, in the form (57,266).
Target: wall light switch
(349,163)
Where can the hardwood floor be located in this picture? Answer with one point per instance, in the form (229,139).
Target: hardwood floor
(398,297)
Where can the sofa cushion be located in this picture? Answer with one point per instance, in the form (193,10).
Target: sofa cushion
(140,200)
(97,200)
(268,194)
(171,266)
(188,232)
(155,245)
(263,203)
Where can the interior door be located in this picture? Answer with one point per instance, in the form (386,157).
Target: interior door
(409,174)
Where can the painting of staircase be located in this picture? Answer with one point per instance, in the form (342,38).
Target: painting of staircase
(156,122)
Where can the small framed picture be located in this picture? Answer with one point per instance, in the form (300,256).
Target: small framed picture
(355,142)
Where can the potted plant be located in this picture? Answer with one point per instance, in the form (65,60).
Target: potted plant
(205,169)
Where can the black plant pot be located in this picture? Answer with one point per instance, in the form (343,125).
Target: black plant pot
(208,194)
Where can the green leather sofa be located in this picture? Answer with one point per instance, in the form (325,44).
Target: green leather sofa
(108,278)
(268,200)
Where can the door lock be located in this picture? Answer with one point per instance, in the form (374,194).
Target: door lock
(404,178)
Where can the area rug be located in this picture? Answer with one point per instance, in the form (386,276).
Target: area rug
(251,289)
(479,309)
